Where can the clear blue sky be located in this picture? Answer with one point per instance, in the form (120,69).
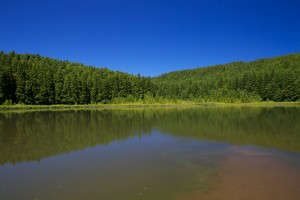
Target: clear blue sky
(151,37)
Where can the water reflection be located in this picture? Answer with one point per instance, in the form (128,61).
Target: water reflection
(151,167)
(183,154)
(36,135)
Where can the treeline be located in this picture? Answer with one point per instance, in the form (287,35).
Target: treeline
(276,79)
(32,79)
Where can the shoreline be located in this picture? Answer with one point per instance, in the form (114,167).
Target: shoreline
(4,108)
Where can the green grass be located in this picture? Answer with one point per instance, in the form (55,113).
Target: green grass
(21,107)
(90,106)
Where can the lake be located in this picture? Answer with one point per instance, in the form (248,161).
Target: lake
(151,154)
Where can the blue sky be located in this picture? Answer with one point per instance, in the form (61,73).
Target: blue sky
(151,37)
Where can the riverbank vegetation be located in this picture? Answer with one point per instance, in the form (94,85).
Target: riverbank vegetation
(27,79)
(178,104)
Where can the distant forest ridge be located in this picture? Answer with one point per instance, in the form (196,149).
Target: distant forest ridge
(36,80)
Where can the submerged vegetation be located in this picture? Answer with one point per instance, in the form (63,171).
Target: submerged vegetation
(36,80)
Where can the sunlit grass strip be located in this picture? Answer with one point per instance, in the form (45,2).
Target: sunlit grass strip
(145,105)
(90,106)
(261,104)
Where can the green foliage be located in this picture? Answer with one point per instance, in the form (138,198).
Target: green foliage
(8,102)
(32,79)
(276,79)
(35,80)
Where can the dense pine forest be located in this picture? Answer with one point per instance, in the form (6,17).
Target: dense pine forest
(32,79)
(276,79)
(37,80)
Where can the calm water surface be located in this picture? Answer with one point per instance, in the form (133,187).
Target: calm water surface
(184,154)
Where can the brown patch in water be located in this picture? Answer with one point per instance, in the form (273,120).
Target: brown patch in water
(252,175)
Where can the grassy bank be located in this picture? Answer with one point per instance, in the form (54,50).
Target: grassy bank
(90,106)
(260,104)
(140,105)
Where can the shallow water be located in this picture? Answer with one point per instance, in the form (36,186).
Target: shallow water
(185,154)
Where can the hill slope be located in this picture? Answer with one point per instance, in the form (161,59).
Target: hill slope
(276,79)
(33,79)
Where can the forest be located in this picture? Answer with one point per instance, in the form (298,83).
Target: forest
(275,79)
(37,80)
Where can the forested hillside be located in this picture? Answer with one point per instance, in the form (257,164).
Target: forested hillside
(33,79)
(275,79)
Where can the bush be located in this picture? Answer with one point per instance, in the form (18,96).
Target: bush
(8,102)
